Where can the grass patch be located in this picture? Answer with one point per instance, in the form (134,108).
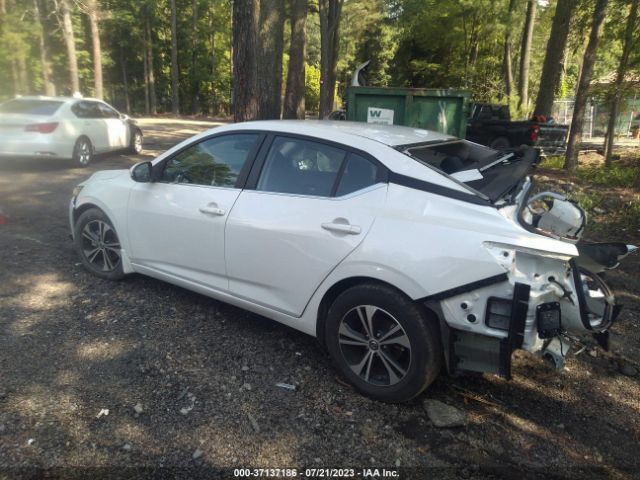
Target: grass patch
(613,176)
(555,162)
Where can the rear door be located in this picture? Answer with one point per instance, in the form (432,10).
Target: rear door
(312,203)
(176,224)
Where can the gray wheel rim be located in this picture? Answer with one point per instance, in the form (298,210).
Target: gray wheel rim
(374,345)
(100,245)
(84,152)
(137,142)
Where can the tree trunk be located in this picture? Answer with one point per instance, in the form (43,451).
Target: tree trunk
(49,87)
(145,63)
(330,13)
(212,39)
(70,42)
(577,122)
(125,82)
(175,98)
(271,45)
(151,78)
(93,14)
(195,82)
(23,73)
(617,86)
(244,45)
(294,95)
(525,54)
(554,57)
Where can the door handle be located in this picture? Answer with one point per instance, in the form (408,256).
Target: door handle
(212,209)
(342,228)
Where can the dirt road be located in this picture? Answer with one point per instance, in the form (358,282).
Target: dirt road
(144,374)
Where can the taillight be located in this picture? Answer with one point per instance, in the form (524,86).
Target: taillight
(535,130)
(41,127)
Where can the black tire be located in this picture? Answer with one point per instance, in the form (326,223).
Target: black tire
(135,146)
(500,143)
(82,152)
(98,245)
(421,361)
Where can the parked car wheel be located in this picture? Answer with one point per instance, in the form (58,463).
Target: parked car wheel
(500,143)
(383,343)
(136,142)
(83,152)
(97,244)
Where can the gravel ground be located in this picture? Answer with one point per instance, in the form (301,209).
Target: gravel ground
(141,373)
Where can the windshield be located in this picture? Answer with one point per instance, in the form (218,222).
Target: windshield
(31,107)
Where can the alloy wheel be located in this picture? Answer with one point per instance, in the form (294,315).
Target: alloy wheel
(100,245)
(137,142)
(374,345)
(84,152)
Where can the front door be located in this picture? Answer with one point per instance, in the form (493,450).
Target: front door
(176,224)
(313,204)
(117,129)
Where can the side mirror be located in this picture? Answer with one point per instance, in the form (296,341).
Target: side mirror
(554,215)
(124,117)
(141,172)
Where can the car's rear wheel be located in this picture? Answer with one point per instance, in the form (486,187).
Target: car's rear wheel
(135,146)
(83,152)
(383,343)
(98,245)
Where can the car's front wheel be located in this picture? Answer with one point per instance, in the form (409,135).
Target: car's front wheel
(97,244)
(383,343)
(83,152)
(135,146)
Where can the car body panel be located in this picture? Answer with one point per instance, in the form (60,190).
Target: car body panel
(169,233)
(273,238)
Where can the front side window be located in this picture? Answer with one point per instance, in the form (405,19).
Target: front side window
(301,167)
(214,162)
(107,112)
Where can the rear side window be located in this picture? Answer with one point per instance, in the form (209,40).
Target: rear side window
(31,107)
(301,167)
(358,173)
(86,110)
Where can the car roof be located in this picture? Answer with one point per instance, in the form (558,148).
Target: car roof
(56,99)
(390,135)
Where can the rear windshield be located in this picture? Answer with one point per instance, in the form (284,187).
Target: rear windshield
(492,173)
(31,107)
(453,157)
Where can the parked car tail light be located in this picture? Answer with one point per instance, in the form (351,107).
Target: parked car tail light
(535,130)
(41,127)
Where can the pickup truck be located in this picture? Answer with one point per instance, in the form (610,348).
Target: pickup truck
(491,125)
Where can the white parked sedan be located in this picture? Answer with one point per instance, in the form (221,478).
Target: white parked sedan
(402,250)
(67,128)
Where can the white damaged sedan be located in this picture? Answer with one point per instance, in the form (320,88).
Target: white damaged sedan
(401,250)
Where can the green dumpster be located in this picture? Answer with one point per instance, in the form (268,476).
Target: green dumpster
(441,110)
